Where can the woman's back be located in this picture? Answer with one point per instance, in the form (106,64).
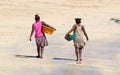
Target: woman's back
(38,29)
(78,31)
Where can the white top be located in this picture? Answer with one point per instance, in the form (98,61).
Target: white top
(79,41)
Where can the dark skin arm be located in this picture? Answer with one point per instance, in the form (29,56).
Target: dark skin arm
(32,31)
(84,31)
(72,29)
(43,32)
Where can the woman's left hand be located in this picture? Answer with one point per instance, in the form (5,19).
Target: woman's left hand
(30,39)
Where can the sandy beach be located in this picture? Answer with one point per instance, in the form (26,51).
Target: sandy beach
(101,55)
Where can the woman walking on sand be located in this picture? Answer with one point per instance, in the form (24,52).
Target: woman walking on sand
(79,42)
(40,37)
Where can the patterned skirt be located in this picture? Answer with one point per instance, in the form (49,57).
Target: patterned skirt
(41,41)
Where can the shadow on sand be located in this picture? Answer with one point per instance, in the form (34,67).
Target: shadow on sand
(64,59)
(24,56)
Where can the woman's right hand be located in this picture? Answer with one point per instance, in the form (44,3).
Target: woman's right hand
(66,35)
(30,39)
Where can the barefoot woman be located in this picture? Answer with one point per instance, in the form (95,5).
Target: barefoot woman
(79,42)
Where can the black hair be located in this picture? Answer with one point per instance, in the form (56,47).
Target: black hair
(78,20)
(37,18)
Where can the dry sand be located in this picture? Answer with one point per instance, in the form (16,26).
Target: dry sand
(101,56)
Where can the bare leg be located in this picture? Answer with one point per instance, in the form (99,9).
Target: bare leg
(42,49)
(80,54)
(77,53)
(38,51)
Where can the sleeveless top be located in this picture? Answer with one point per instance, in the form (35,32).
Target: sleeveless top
(38,29)
(79,41)
(79,31)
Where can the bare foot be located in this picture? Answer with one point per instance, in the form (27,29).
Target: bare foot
(76,60)
(41,57)
(80,59)
(38,56)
